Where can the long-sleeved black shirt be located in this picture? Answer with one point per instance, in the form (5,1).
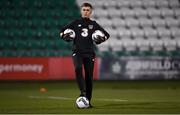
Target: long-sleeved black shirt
(84,28)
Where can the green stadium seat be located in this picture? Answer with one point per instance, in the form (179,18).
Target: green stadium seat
(9,53)
(33,44)
(3,33)
(30,28)
(20,44)
(13,34)
(7,44)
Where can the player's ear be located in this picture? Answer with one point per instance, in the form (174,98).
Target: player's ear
(91,11)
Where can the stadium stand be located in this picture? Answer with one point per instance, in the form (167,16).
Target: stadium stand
(141,27)
(146,27)
(31,28)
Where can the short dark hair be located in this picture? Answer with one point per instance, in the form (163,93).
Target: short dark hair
(86,4)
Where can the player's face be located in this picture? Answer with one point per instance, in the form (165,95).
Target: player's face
(86,12)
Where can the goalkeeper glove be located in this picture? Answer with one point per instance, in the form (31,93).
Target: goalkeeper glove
(100,39)
(66,37)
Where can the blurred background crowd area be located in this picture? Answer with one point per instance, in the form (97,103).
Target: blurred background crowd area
(30,28)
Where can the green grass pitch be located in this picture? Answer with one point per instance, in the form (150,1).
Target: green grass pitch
(109,97)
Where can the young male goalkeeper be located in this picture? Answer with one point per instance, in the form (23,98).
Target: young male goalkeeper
(83,48)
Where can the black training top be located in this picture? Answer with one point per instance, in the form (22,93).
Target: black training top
(84,28)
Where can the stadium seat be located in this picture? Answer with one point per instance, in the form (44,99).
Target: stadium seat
(169,44)
(129,44)
(166,12)
(175,32)
(150,32)
(132,22)
(100,13)
(156,44)
(97,4)
(124,33)
(153,12)
(177,13)
(104,47)
(116,45)
(7,44)
(158,22)
(9,53)
(113,12)
(148,3)
(118,22)
(140,12)
(145,22)
(104,22)
(127,12)
(137,32)
(110,3)
(3,33)
(136,4)
(163,33)
(143,44)
(20,44)
(177,40)
(33,44)
(172,22)
(161,3)
(114,32)
(174,3)
(123,4)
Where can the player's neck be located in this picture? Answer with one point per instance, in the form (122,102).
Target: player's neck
(85,18)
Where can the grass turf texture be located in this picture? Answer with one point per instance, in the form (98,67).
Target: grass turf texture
(161,97)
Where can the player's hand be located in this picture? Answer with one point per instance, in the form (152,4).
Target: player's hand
(66,35)
(100,39)
(62,35)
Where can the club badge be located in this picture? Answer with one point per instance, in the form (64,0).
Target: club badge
(90,26)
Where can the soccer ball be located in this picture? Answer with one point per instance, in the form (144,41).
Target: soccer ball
(82,102)
(96,36)
(71,33)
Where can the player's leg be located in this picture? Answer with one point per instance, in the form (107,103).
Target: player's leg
(88,67)
(77,60)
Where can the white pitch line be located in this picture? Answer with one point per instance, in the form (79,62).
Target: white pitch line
(115,100)
(35,97)
(60,98)
(65,98)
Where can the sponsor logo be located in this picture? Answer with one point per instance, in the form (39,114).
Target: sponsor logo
(152,65)
(74,54)
(79,25)
(90,26)
(116,68)
(21,68)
